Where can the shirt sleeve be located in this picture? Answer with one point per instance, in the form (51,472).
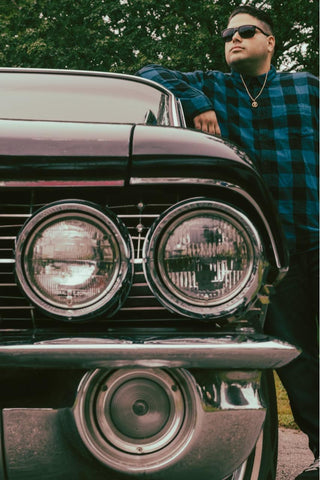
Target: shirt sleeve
(185,86)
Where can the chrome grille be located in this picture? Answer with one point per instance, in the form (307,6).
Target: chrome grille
(138,218)
(138,210)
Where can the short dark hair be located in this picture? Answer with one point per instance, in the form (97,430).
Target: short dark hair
(261,15)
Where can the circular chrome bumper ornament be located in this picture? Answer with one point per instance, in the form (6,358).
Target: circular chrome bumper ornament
(73,260)
(126,413)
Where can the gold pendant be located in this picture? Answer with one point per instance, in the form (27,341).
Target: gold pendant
(254,104)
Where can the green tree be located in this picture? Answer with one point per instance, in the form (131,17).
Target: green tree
(123,35)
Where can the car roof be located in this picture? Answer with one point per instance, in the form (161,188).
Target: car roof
(91,73)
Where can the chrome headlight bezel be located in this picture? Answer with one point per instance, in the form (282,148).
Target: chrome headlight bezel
(167,294)
(102,220)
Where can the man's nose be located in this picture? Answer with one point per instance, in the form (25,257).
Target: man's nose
(236,37)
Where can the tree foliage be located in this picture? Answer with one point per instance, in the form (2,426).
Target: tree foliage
(124,35)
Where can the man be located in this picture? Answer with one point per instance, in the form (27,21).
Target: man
(274,117)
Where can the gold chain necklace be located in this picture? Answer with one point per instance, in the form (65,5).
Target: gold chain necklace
(254,103)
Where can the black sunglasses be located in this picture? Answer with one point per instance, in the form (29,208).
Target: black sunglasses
(245,31)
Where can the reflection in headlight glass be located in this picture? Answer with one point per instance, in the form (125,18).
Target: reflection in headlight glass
(205,258)
(72,262)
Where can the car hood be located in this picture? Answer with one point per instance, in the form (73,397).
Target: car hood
(41,150)
(38,151)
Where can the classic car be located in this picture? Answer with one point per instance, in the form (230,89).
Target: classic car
(137,260)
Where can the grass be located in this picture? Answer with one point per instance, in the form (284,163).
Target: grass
(284,411)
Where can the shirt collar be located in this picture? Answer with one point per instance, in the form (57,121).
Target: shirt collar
(254,80)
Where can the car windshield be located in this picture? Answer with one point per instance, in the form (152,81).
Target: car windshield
(81,98)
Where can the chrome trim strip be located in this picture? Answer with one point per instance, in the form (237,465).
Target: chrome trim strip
(62,183)
(138,215)
(10,307)
(15,215)
(188,353)
(181,113)
(169,180)
(174,112)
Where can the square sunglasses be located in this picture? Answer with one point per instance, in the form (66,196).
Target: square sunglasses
(245,31)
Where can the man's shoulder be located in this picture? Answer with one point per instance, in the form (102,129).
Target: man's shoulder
(299,77)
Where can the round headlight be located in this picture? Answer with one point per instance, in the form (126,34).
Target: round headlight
(73,259)
(202,258)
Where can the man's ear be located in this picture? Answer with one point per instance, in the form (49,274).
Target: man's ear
(271,44)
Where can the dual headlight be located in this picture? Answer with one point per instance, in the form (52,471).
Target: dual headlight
(74,260)
(202,259)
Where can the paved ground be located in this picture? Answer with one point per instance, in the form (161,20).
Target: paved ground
(293,455)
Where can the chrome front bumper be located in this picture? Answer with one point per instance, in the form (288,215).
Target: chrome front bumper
(255,351)
(222,414)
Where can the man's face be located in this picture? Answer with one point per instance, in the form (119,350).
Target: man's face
(249,55)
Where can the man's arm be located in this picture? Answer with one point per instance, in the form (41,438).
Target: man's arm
(188,88)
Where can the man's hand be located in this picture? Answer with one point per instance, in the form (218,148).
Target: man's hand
(207,122)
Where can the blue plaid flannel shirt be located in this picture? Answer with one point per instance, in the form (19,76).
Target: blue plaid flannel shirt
(280,135)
